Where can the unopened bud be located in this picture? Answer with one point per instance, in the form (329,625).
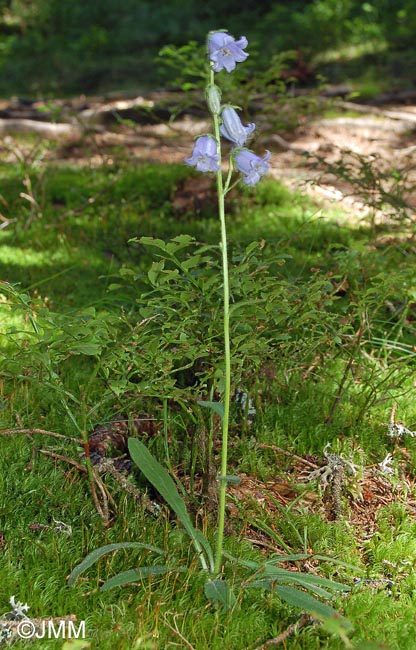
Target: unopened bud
(214,99)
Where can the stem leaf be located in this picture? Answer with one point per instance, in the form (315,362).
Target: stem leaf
(217,407)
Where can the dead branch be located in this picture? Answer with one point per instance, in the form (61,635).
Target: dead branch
(43,129)
(279,450)
(42,432)
(106,466)
(292,629)
(393,414)
(403,116)
(65,459)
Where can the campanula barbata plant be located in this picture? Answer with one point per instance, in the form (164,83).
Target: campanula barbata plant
(224,53)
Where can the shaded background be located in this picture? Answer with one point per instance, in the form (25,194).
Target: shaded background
(61,47)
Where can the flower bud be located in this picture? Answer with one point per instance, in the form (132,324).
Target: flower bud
(213,94)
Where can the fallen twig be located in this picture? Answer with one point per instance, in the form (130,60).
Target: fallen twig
(289,631)
(102,510)
(42,432)
(279,450)
(106,466)
(176,631)
(65,459)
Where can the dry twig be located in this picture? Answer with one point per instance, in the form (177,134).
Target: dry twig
(289,631)
(279,450)
(65,459)
(176,631)
(42,432)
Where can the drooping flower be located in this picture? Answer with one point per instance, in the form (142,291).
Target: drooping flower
(205,156)
(225,51)
(251,166)
(232,128)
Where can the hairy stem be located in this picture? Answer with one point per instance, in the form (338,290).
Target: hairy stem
(227,351)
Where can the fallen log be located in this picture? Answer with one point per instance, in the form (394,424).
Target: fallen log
(50,130)
(404,116)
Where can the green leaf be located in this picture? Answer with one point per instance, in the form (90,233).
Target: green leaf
(154,272)
(269,584)
(204,543)
(306,602)
(157,475)
(103,550)
(151,241)
(251,247)
(90,349)
(181,241)
(217,407)
(220,593)
(191,263)
(289,558)
(304,578)
(262,583)
(136,575)
(249,564)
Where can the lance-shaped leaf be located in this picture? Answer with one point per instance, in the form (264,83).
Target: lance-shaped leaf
(157,475)
(95,555)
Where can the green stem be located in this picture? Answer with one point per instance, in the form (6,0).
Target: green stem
(227,351)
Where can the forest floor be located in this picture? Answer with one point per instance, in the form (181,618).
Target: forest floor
(355,502)
(352,155)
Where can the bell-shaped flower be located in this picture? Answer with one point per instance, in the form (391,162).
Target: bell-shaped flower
(251,166)
(232,128)
(225,51)
(205,156)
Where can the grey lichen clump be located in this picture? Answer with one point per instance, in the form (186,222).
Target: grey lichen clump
(8,622)
(397,430)
(331,475)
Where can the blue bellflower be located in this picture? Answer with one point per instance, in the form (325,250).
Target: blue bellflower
(205,155)
(225,51)
(251,166)
(232,128)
